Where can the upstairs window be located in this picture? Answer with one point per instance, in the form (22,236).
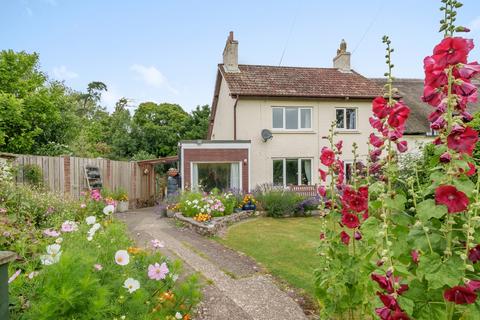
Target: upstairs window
(346,118)
(286,118)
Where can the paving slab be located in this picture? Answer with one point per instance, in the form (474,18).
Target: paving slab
(237,288)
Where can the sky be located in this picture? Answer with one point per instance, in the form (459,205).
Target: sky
(168,51)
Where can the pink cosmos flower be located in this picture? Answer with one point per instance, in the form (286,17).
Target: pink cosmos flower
(157,243)
(69,226)
(158,271)
(83,206)
(97,267)
(51,233)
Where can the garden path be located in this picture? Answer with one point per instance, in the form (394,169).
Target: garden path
(235,286)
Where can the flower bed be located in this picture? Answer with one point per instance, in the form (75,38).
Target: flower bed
(76,261)
(214,226)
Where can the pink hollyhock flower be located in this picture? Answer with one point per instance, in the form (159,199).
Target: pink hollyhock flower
(460,295)
(339,145)
(463,140)
(380,107)
(375,141)
(98,267)
(355,200)
(432,96)
(466,116)
(322,191)
(398,115)
(322,236)
(466,90)
(14,276)
(357,235)
(158,271)
(446,157)
(472,169)
(455,200)
(402,146)
(473,284)
(474,254)
(323,174)
(375,154)
(327,156)
(345,237)
(376,123)
(452,50)
(51,233)
(69,226)
(469,70)
(438,124)
(415,256)
(350,220)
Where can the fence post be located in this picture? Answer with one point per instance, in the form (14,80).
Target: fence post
(5,258)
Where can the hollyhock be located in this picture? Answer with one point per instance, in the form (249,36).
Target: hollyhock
(122,258)
(327,156)
(158,271)
(350,220)
(131,285)
(323,174)
(376,123)
(402,146)
(415,256)
(432,96)
(473,284)
(375,141)
(322,236)
(339,145)
(472,169)
(474,254)
(438,124)
(357,235)
(345,237)
(446,157)
(452,50)
(396,133)
(455,200)
(380,107)
(466,90)
(460,295)
(375,154)
(469,70)
(466,116)
(398,115)
(322,191)
(355,200)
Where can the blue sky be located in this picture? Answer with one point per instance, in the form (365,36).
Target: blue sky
(167,51)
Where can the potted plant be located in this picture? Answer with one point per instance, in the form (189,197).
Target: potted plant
(122,201)
(171,209)
(249,203)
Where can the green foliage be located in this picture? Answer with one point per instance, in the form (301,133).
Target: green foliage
(279,203)
(215,204)
(33,174)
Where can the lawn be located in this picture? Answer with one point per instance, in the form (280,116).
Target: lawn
(286,247)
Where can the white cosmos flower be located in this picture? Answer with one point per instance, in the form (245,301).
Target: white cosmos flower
(90,220)
(59,240)
(122,258)
(131,285)
(108,209)
(54,249)
(89,238)
(95,227)
(178,315)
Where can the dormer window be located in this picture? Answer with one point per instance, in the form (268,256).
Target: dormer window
(291,118)
(346,118)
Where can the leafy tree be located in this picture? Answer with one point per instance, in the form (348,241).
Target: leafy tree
(159,127)
(197,123)
(119,138)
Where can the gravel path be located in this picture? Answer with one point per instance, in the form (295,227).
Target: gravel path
(235,288)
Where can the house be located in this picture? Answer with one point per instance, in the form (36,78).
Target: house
(268,123)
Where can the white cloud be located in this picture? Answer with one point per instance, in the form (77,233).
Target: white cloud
(110,97)
(475,24)
(152,77)
(62,73)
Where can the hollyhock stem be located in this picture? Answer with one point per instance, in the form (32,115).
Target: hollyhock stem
(450,310)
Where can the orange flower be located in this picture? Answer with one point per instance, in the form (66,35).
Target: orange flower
(186,317)
(134,250)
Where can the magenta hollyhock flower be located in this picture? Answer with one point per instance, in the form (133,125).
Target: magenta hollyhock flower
(474,254)
(375,141)
(327,156)
(322,236)
(158,271)
(380,107)
(345,237)
(415,256)
(472,169)
(432,95)
(322,191)
(455,200)
(376,123)
(462,140)
(473,284)
(402,146)
(355,200)
(323,174)
(452,50)
(398,114)
(460,295)
(350,220)
(339,145)
(446,157)
(469,70)
(357,235)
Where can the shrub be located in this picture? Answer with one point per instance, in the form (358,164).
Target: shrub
(279,203)
(215,205)
(33,174)
(307,205)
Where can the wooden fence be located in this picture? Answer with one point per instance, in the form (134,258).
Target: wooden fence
(66,175)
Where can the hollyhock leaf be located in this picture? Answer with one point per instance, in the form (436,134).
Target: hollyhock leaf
(417,239)
(397,203)
(465,185)
(429,264)
(370,228)
(428,209)
(376,188)
(449,274)
(406,304)
(429,311)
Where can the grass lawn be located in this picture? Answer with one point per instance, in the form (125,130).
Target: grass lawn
(286,247)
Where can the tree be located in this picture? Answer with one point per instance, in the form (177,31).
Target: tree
(158,128)
(197,123)
(119,138)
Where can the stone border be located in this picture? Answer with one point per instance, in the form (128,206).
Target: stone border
(216,225)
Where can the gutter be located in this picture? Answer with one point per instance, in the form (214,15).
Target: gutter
(235,118)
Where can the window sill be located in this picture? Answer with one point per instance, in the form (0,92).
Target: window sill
(293,131)
(347,131)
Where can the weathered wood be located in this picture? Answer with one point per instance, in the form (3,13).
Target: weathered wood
(5,258)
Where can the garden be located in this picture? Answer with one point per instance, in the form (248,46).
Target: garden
(76,261)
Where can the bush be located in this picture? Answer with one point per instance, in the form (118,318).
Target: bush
(307,205)
(279,203)
(33,174)
(214,204)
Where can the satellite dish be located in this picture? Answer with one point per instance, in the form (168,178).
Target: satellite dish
(266,135)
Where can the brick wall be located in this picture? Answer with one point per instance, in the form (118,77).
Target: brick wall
(215,155)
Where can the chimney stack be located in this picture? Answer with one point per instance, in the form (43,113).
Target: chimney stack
(342,59)
(230,55)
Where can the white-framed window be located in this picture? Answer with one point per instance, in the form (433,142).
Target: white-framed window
(291,118)
(348,169)
(292,171)
(221,175)
(346,118)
